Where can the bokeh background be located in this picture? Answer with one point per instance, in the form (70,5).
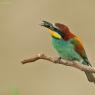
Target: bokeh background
(21,37)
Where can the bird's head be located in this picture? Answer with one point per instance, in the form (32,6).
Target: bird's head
(57,30)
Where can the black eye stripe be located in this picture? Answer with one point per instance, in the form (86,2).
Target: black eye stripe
(59,32)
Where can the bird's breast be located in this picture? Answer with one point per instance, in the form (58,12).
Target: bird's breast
(65,49)
(61,44)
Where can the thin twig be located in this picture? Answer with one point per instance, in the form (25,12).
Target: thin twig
(57,61)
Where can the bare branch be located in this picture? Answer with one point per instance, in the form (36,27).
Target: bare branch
(57,61)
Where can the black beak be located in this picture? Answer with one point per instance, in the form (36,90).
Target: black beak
(46,24)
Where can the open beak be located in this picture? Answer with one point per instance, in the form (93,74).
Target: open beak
(46,24)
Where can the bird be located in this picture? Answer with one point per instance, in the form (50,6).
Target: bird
(68,45)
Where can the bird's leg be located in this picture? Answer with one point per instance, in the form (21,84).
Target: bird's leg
(58,60)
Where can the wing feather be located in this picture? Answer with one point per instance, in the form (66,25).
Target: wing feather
(80,49)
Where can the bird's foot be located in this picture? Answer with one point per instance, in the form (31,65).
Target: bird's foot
(57,60)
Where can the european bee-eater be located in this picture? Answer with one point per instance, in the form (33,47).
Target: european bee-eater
(68,45)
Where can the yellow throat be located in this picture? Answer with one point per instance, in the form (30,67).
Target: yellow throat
(54,34)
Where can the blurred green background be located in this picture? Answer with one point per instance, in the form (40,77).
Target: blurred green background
(21,36)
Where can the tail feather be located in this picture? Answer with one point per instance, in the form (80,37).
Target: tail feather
(90,77)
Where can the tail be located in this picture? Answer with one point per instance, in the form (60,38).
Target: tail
(90,77)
